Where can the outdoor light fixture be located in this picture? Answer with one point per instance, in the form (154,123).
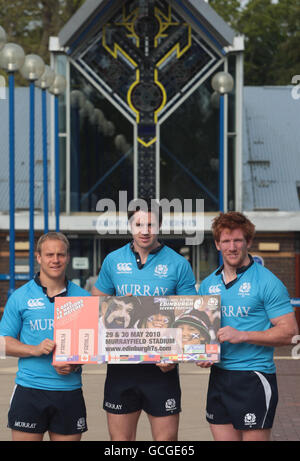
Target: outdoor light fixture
(222,83)
(46,79)
(121,143)
(77,99)
(58,87)
(12,58)
(32,69)
(44,82)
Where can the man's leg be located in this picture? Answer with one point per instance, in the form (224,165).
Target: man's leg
(64,438)
(225,433)
(164,428)
(123,427)
(20,436)
(257,435)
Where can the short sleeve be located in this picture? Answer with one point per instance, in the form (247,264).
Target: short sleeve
(104,281)
(11,322)
(186,280)
(276,298)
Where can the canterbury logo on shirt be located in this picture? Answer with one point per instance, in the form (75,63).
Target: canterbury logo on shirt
(37,303)
(123,268)
(214,289)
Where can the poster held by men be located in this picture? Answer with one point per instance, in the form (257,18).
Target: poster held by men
(138,329)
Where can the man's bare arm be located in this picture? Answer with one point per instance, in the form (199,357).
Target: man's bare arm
(15,348)
(280,334)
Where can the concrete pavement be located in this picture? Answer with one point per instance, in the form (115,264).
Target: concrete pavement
(193,426)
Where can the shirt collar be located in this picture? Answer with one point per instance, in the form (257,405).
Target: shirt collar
(240,270)
(51,299)
(137,256)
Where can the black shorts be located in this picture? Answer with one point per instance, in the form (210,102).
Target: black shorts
(38,411)
(245,399)
(130,388)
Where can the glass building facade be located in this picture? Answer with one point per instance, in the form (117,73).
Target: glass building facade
(140,115)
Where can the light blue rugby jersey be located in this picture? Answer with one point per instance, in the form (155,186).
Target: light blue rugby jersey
(29,317)
(164,273)
(248,304)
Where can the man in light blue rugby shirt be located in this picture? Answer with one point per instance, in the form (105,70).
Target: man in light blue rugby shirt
(256,316)
(144,267)
(45,398)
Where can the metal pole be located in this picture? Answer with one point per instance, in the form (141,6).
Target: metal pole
(31,182)
(57,175)
(45,159)
(221,163)
(221,155)
(11,79)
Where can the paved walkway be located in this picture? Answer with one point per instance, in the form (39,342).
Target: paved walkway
(193,426)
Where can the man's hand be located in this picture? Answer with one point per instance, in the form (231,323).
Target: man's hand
(204,364)
(44,348)
(65,368)
(231,335)
(165,367)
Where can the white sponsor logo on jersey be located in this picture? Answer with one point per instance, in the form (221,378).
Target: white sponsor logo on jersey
(215,289)
(37,303)
(124,268)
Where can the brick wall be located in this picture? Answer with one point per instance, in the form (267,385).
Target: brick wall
(281,263)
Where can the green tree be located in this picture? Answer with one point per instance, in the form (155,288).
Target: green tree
(229,10)
(272,37)
(286,61)
(261,26)
(30,23)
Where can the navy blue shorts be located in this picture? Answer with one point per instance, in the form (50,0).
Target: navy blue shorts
(39,411)
(245,399)
(130,388)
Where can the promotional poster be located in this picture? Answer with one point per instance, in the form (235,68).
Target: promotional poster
(137,329)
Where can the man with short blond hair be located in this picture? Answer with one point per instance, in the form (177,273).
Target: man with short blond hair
(45,398)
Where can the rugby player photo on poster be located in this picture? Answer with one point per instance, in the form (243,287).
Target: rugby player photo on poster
(158,329)
(256,316)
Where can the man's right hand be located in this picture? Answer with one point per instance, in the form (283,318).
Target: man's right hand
(44,348)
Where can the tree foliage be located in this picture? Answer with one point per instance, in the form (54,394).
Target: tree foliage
(271,29)
(272,36)
(30,23)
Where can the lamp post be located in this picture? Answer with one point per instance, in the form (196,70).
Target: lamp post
(11,59)
(32,70)
(58,87)
(44,82)
(222,83)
